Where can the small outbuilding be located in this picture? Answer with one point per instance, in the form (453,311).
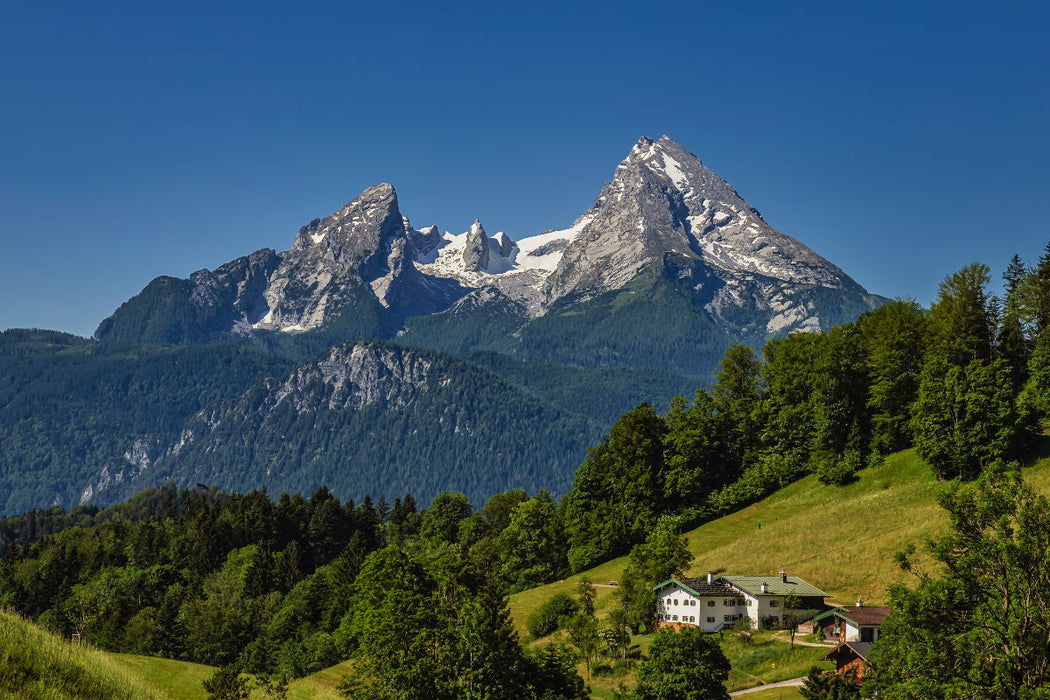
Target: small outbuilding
(850,656)
(861,623)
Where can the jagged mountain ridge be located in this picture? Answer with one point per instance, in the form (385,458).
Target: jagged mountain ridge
(364,270)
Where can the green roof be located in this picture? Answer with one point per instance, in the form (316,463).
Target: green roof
(832,612)
(752,585)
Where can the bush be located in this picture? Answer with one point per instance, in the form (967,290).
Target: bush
(839,470)
(227,684)
(551,615)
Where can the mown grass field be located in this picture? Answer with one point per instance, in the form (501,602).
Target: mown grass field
(184,680)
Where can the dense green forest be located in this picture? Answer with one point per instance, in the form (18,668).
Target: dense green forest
(295,585)
(73,412)
(70,407)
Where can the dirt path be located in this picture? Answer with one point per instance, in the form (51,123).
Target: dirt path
(792,683)
(786,638)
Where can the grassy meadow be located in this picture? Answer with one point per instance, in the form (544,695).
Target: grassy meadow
(37,665)
(841,539)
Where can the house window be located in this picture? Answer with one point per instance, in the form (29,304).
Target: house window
(727,618)
(773,603)
(729,602)
(710,619)
(692,602)
(676,601)
(659,617)
(692,619)
(748,602)
(674,618)
(710,603)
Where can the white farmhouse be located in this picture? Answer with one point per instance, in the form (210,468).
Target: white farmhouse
(718,602)
(708,603)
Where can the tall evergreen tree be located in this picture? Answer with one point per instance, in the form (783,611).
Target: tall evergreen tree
(965,414)
(960,319)
(894,340)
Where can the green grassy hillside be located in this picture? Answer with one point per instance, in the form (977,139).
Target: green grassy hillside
(840,538)
(36,664)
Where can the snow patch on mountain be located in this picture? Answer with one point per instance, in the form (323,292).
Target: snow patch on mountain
(540,253)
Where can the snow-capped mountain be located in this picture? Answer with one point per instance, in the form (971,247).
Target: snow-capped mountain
(364,271)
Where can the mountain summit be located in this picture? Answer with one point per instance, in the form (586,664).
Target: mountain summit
(663,199)
(665,224)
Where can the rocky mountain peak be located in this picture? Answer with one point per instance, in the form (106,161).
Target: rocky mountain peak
(506,245)
(665,163)
(365,261)
(663,199)
(476,249)
(358,235)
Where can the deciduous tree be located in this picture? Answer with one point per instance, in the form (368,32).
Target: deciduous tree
(687,665)
(980,627)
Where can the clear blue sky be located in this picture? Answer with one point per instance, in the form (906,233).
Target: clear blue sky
(899,140)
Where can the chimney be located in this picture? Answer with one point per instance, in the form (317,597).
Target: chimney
(765,587)
(710,577)
(783,576)
(860,603)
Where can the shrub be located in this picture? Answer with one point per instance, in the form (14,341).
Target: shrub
(551,615)
(839,470)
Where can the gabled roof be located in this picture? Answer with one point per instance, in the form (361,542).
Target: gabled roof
(700,587)
(752,585)
(864,616)
(859,649)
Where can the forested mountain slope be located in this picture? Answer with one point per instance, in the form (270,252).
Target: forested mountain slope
(380,419)
(77,414)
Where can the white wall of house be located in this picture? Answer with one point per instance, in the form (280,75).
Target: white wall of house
(853,633)
(762,606)
(675,604)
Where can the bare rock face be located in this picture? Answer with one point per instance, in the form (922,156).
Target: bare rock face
(425,240)
(506,245)
(356,376)
(331,258)
(664,200)
(476,250)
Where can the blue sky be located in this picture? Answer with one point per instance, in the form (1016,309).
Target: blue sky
(899,140)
